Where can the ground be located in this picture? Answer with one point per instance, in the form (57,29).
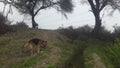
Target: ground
(96,61)
(57,54)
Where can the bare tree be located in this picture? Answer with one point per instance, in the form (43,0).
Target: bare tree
(96,7)
(32,7)
(9,3)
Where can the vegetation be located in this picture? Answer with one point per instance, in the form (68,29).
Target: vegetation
(80,52)
(100,52)
(33,7)
(96,8)
(19,26)
(4,25)
(67,47)
(112,53)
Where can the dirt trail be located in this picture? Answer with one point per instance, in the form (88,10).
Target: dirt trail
(53,57)
(96,61)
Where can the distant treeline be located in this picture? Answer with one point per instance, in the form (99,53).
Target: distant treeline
(85,32)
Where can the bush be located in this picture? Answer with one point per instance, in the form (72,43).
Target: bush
(116,32)
(112,52)
(85,32)
(4,26)
(75,33)
(19,26)
(105,35)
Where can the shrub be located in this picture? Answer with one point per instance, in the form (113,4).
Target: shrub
(19,26)
(105,35)
(4,26)
(75,33)
(112,52)
(116,32)
(85,32)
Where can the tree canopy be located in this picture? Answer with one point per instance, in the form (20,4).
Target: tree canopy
(97,6)
(32,7)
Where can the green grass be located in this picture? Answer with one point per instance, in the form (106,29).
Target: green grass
(11,49)
(76,53)
(71,54)
(66,50)
(51,66)
(29,62)
(97,46)
(113,53)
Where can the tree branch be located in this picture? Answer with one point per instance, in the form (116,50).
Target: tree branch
(34,3)
(44,7)
(103,5)
(31,7)
(92,5)
(97,4)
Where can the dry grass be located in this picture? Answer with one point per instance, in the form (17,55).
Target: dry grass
(12,55)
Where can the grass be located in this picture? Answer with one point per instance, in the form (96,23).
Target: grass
(112,53)
(71,55)
(66,48)
(96,47)
(51,66)
(29,62)
(75,54)
(11,50)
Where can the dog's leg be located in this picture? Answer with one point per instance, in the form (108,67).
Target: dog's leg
(31,52)
(31,49)
(38,49)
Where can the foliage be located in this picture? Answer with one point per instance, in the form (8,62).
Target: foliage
(96,47)
(4,26)
(32,7)
(116,32)
(19,26)
(51,66)
(105,35)
(67,50)
(96,7)
(85,32)
(26,6)
(75,33)
(112,52)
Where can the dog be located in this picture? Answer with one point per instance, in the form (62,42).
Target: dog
(35,43)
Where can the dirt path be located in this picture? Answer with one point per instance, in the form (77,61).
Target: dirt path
(53,57)
(96,61)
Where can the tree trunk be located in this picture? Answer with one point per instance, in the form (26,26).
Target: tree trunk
(97,27)
(34,24)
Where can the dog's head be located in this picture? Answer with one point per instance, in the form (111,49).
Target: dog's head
(44,44)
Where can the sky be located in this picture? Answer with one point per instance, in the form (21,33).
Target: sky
(52,19)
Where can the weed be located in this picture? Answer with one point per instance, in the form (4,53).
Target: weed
(51,66)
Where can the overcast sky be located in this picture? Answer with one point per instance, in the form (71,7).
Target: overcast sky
(52,19)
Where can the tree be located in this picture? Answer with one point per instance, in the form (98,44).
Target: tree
(6,2)
(115,4)
(97,6)
(32,7)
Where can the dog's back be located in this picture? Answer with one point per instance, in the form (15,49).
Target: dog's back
(35,41)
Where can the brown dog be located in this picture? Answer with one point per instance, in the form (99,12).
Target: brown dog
(36,43)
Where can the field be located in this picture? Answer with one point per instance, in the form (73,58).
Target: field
(61,52)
